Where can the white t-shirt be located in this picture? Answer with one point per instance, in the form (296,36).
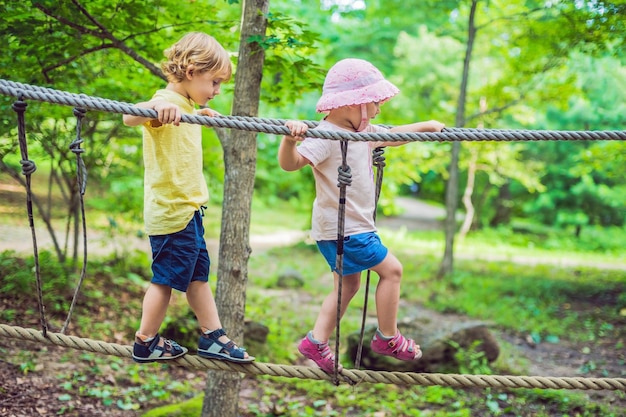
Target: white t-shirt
(325,156)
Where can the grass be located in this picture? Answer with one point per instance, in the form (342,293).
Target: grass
(540,299)
(581,304)
(602,247)
(550,303)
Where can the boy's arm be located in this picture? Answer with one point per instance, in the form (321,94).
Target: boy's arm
(166,113)
(429,126)
(289,158)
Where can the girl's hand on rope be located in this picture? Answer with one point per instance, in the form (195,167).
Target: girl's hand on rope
(289,158)
(297,129)
(433,126)
(167,112)
(428,126)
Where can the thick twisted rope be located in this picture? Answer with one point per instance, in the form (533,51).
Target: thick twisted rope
(351,376)
(276,126)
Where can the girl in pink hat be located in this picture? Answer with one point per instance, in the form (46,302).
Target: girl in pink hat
(352,94)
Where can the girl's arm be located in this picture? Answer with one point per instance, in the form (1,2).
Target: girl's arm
(429,126)
(289,158)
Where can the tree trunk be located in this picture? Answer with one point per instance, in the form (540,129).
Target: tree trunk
(451,205)
(503,206)
(453,178)
(222,390)
(467,194)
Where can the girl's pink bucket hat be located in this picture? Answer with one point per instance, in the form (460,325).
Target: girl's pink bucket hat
(354,81)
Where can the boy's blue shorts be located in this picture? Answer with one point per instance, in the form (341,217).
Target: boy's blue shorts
(360,252)
(182,257)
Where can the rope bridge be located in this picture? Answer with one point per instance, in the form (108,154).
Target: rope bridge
(276,127)
(350,376)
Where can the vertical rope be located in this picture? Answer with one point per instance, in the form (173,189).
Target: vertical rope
(378,160)
(344,179)
(28,168)
(81,178)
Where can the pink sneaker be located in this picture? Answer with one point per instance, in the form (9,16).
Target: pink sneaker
(398,347)
(320,354)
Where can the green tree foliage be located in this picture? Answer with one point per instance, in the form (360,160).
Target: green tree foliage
(106,50)
(113,50)
(534,63)
(585,180)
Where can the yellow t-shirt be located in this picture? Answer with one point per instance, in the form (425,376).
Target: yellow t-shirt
(174,185)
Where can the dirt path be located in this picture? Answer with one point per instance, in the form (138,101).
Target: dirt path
(416,215)
(19,238)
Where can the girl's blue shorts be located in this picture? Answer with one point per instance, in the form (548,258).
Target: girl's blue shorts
(360,252)
(182,257)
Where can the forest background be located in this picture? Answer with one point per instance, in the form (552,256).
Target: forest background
(536,65)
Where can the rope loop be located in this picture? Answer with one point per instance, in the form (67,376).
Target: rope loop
(75,146)
(81,171)
(378,157)
(345,176)
(28,167)
(19,106)
(79,112)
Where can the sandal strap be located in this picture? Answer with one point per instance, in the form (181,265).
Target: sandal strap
(169,346)
(229,347)
(217,333)
(154,343)
(401,344)
(325,351)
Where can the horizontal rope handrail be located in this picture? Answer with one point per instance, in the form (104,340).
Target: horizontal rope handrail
(350,376)
(276,127)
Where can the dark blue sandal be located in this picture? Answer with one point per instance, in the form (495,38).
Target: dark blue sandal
(210,347)
(152,352)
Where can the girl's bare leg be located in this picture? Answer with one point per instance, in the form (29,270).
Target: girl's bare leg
(327,317)
(388,294)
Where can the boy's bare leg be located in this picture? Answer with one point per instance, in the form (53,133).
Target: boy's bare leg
(155,303)
(201,301)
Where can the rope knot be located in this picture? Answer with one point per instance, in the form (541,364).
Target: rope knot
(378,157)
(20,105)
(345,176)
(28,166)
(79,111)
(75,146)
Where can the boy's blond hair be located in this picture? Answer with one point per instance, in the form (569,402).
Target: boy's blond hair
(200,50)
